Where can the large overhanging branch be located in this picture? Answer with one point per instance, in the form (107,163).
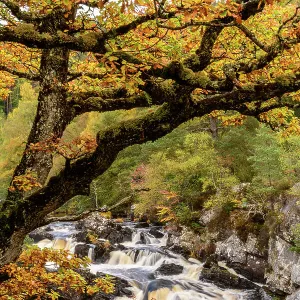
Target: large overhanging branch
(250,35)
(255,108)
(29,36)
(29,76)
(78,175)
(211,34)
(256,92)
(18,13)
(101,105)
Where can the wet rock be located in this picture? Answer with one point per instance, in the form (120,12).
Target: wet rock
(82,250)
(169,269)
(121,286)
(102,251)
(284,265)
(258,294)
(81,237)
(107,229)
(294,296)
(142,225)
(232,249)
(48,228)
(157,234)
(40,234)
(142,240)
(245,258)
(225,279)
(79,225)
(254,269)
(127,234)
(179,250)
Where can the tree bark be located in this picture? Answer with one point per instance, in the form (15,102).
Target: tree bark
(51,119)
(52,114)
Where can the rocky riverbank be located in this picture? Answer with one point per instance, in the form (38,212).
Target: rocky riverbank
(255,251)
(145,263)
(255,247)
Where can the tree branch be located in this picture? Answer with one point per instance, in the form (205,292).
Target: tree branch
(251,36)
(29,76)
(50,219)
(101,105)
(18,13)
(76,75)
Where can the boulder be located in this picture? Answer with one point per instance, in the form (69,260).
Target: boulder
(107,229)
(81,237)
(102,250)
(232,250)
(121,286)
(82,250)
(284,265)
(179,250)
(169,269)
(294,296)
(156,233)
(40,234)
(182,240)
(245,258)
(222,278)
(142,225)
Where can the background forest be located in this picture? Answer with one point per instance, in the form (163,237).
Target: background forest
(222,160)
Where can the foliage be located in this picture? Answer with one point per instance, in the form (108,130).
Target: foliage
(122,73)
(28,277)
(13,134)
(296,240)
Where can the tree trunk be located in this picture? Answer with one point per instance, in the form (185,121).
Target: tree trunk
(213,126)
(52,113)
(51,119)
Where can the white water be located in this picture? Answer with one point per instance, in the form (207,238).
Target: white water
(138,262)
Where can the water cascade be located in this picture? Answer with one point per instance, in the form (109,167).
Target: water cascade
(138,263)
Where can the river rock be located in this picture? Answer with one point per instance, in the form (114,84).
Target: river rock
(102,251)
(245,258)
(294,296)
(142,225)
(48,228)
(225,279)
(107,229)
(156,233)
(121,286)
(169,269)
(82,250)
(284,266)
(40,234)
(81,237)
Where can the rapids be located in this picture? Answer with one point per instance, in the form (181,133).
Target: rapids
(138,263)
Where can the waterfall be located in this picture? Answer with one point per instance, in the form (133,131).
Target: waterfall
(119,257)
(138,262)
(91,253)
(46,243)
(59,244)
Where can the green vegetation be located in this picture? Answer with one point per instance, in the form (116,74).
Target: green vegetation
(244,167)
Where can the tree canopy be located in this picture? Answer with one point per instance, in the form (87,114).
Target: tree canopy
(176,59)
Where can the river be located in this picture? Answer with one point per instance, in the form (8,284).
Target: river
(138,261)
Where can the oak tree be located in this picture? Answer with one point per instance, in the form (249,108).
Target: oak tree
(177,59)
